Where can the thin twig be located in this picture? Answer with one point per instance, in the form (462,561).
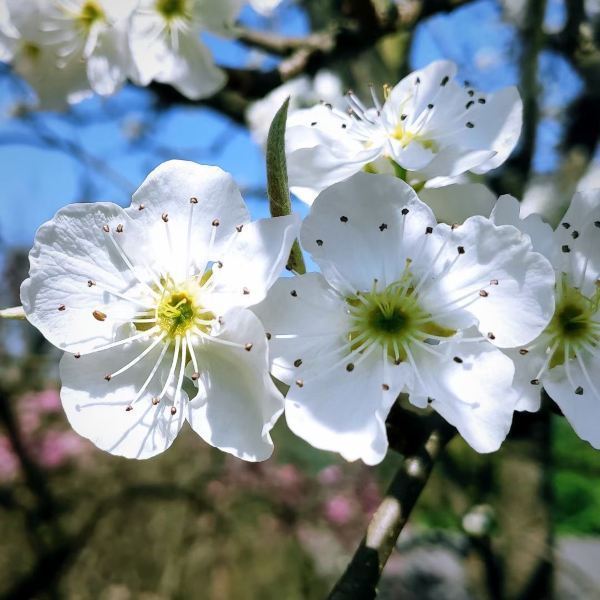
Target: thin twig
(361,577)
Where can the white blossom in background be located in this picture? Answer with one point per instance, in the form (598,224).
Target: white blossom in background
(95,31)
(402,304)
(428,125)
(565,358)
(149,304)
(303,91)
(25,45)
(265,7)
(166,46)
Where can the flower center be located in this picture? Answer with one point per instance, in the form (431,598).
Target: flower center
(178,312)
(573,327)
(31,51)
(91,12)
(406,137)
(393,319)
(170,9)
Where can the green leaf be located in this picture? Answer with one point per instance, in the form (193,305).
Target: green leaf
(277,181)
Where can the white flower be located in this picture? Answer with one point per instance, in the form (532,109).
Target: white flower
(402,304)
(265,7)
(149,304)
(303,91)
(429,125)
(565,358)
(95,31)
(24,43)
(166,46)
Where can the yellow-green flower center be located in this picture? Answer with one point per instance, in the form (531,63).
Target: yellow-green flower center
(179,312)
(91,12)
(171,9)
(574,326)
(406,137)
(392,318)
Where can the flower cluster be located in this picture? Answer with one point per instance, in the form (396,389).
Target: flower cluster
(67,49)
(173,310)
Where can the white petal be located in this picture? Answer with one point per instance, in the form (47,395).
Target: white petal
(96,408)
(109,63)
(527,369)
(188,67)
(305,318)
(578,237)
(168,190)
(322,149)
(70,251)
(473,395)
(452,161)
(457,202)
(468,261)
(344,411)
(356,230)
(581,410)
(411,98)
(237,403)
(252,262)
(413,156)
(498,125)
(507,212)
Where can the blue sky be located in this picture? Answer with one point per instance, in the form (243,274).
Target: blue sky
(38,180)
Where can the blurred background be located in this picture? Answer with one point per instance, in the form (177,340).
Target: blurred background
(195,523)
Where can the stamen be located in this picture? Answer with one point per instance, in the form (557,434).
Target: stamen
(137,359)
(172,369)
(124,341)
(126,260)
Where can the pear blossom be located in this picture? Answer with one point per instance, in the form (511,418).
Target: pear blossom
(429,125)
(166,47)
(565,358)
(402,304)
(150,304)
(25,45)
(95,31)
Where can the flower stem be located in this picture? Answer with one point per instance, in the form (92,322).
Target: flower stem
(12,313)
(364,570)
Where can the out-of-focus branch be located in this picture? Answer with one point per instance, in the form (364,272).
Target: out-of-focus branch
(532,36)
(362,574)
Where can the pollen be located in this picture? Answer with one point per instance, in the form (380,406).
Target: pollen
(178,312)
(90,13)
(392,318)
(171,9)
(574,326)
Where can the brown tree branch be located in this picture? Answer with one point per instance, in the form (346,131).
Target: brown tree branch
(361,577)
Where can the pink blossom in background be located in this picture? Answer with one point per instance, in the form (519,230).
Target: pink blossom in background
(56,447)
(330,475)
(45,432)
(339,510)
(8,461)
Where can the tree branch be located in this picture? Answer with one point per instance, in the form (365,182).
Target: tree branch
(362,574)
